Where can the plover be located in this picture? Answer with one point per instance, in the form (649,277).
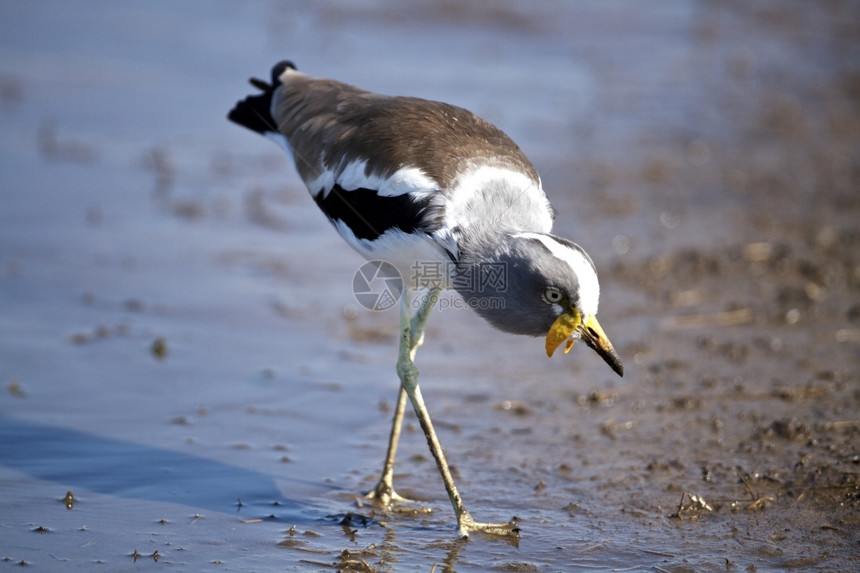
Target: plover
(452,203)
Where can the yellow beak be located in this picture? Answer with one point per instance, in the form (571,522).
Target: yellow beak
(570,326)
(562,329)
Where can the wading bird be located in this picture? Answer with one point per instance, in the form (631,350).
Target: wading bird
(411,182)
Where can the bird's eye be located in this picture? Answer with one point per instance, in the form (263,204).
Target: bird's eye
(552,295)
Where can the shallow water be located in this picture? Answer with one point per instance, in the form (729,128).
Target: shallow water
(181,350)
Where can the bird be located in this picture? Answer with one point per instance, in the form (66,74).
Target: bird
(449,201)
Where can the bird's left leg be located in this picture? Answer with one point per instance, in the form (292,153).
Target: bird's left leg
(383,493)
(409,382)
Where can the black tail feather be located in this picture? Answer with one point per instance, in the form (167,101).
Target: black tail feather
(255,111)
(260,84)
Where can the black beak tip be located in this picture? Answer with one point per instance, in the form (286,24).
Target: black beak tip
(611,358)
(608,354)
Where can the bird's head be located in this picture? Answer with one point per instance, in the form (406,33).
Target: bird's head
(550,289)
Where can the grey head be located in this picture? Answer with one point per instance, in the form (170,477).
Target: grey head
(536,284)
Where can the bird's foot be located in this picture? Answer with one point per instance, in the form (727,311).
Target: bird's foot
(384,495)
(390,502)
(467,526)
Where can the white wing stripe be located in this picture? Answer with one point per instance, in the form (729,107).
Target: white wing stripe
(354,176)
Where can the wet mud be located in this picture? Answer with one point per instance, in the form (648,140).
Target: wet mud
(188,381)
